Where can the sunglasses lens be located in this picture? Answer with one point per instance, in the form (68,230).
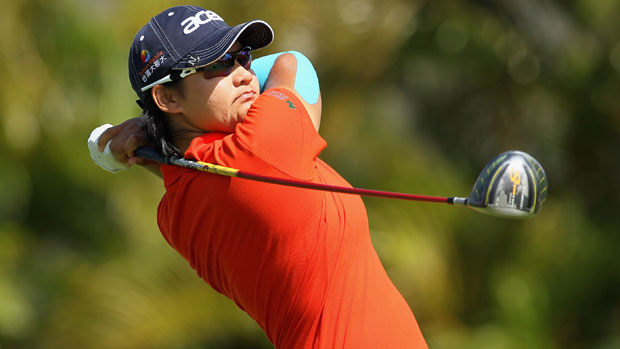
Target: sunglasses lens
(221,67)
(225,65)
(244,57)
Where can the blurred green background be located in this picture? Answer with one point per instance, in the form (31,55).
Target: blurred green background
(418,96)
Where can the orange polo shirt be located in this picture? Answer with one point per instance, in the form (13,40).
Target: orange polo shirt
(300,262)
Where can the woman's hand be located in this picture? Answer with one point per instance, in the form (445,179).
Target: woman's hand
(113,147)
(124,139)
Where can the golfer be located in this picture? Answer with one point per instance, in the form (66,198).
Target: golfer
(299,262)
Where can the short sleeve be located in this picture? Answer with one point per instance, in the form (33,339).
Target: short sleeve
(279,130)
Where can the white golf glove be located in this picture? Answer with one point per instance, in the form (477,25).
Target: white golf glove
(104,159)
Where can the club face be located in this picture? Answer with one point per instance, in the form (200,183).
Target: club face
(512,185)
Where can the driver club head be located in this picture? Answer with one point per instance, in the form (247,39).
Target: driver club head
(512,185)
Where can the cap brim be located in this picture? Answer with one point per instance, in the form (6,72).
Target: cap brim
(256,34)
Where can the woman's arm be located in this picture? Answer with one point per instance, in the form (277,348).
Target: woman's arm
(293,71)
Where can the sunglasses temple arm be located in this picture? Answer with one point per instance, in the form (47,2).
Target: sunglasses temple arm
(168,78)
(163,80)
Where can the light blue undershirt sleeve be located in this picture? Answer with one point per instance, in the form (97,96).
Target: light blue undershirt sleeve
(306,80)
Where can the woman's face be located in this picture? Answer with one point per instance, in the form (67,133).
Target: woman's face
(217,104)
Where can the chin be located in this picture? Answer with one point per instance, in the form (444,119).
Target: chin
(242,112)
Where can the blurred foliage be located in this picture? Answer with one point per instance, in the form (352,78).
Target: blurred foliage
(418,96)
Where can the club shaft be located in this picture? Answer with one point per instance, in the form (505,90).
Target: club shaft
(151,154)
(340,189)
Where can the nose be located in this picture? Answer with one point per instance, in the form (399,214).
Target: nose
(241,76)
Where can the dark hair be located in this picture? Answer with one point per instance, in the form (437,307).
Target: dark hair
(156,125)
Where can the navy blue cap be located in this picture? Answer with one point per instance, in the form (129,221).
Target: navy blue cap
(184,37)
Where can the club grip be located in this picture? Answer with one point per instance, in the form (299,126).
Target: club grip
(151,154)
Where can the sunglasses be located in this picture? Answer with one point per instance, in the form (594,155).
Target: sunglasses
(222,67)
(225,65)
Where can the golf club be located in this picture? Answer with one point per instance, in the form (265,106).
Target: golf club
(512,185)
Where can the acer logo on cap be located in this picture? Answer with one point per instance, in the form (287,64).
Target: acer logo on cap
(194,22)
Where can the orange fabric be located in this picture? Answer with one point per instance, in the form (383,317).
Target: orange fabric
(300,262)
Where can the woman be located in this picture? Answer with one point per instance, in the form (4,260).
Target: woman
(300,262)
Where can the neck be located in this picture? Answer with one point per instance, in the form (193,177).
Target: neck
(180,132)
(183,138)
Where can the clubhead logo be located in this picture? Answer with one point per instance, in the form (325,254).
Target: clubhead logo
(145,55)
(515,178)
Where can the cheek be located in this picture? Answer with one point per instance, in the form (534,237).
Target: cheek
(217,89)
(255,85)
(213,100)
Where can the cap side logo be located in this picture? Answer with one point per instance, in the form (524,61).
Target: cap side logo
(145,55)
(152,65)
(194,22)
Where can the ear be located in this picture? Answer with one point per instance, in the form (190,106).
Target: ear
(166,99)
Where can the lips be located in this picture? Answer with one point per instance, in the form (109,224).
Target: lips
(247,96)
